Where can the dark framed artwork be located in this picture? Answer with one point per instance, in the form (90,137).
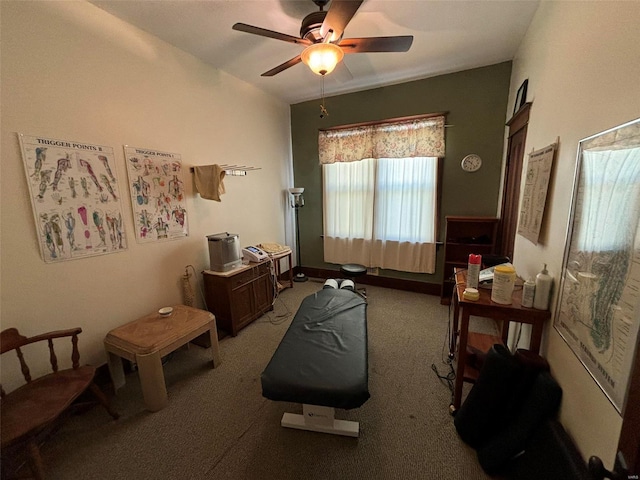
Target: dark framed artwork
(521,96)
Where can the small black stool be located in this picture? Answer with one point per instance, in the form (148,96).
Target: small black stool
(353,270)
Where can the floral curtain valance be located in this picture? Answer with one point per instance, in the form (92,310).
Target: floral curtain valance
(405,139)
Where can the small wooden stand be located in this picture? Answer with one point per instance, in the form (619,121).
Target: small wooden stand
(277,257)
(484,307)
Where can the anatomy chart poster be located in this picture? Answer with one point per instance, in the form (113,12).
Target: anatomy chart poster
(76,202)
(157,194)
(535,192)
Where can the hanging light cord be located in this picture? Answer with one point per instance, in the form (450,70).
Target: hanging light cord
(323,110)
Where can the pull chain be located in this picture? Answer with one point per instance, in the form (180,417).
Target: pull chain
(323,111)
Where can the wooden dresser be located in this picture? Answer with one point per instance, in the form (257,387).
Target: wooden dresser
(239,296)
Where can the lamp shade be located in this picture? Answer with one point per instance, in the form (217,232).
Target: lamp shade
(322,58)
(297,200)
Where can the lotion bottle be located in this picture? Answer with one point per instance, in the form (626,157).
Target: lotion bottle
(544,281)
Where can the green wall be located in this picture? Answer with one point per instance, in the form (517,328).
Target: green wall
(476,102)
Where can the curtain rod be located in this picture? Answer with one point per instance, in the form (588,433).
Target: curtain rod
(389,120)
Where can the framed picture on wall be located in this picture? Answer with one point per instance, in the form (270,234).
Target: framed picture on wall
(521,96)
(598,309)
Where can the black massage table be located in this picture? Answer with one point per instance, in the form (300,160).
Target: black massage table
(322,362)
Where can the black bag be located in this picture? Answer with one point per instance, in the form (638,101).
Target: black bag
(512,395)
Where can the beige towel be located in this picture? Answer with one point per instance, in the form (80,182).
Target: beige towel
(209,181)
(273,248)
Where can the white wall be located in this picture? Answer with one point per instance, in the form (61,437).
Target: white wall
(582,60)
(71,71)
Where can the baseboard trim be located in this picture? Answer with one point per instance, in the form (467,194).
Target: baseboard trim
(378,281)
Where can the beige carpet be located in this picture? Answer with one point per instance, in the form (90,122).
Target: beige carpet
(218,425)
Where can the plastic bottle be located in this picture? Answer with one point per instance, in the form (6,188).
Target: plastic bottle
(528,292)
(473,270)
(504,278)
(544,281)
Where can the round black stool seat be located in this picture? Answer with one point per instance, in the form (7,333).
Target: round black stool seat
(353,269)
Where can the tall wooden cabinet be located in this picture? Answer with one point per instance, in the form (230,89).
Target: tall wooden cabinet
(463,236)
(239,296)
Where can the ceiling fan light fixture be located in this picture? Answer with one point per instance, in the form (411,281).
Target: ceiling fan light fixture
(322,58)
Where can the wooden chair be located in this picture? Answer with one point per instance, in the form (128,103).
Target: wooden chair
(30,412)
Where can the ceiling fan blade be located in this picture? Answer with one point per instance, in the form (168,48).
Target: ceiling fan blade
(376,44)
(284,66)
(338,16)
(263,32)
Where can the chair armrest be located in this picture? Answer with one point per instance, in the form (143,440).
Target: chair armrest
(55,334)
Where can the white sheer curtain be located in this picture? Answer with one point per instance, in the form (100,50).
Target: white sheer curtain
(348,211)
(405,220)
(380,210)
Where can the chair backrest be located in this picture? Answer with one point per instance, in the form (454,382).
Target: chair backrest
(11,339)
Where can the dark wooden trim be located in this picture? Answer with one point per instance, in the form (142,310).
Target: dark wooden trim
(629,442)
(388,120)
(509,212)
(520,118)
(374,280)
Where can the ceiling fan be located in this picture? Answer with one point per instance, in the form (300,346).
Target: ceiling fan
(321,33)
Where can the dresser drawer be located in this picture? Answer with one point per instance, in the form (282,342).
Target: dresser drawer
(262,268)
(242,278)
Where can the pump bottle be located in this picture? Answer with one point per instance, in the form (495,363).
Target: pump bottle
(544,281)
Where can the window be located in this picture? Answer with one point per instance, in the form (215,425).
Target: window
(381,212)
(348,199)
(405,196)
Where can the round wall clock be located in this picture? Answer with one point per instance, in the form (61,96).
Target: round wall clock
(471,163)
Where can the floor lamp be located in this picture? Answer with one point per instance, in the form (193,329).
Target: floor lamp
(297,202)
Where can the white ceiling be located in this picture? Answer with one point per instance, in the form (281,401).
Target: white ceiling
(449,36)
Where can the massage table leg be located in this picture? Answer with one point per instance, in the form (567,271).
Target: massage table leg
(317,418)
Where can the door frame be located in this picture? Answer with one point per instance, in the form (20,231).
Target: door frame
(509,211)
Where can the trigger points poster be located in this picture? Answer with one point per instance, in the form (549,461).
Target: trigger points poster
(74,190)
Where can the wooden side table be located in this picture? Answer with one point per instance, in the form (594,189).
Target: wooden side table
(146,340)
(484,307)
(277,257)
